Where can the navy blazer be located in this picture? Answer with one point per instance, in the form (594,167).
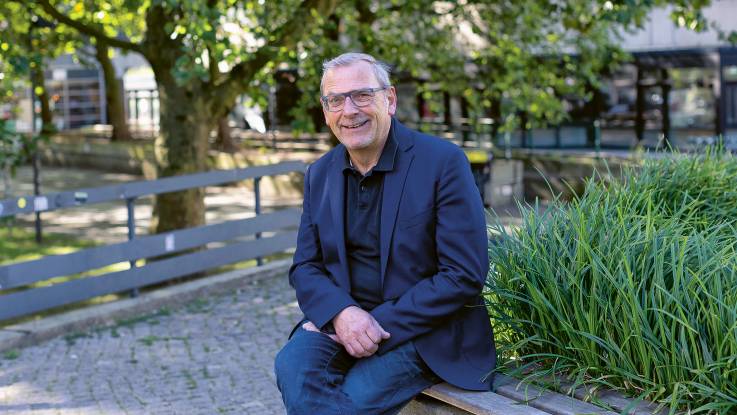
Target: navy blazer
(434,258)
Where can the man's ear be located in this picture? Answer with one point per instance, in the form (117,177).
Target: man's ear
(324,113)
(391,99)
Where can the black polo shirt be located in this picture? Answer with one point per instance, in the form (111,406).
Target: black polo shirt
(362,224)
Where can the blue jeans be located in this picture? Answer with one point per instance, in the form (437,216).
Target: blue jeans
(316,376)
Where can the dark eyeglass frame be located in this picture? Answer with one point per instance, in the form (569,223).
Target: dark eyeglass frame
(346,95)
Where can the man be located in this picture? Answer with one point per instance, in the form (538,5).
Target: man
(391,258)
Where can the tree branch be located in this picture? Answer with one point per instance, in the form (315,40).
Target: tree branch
(87,29)
(288,35)
(212,65)
(158,46)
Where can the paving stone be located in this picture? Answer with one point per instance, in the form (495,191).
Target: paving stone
(215,356)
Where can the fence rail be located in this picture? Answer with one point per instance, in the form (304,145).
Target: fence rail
(133,190)
(28,287)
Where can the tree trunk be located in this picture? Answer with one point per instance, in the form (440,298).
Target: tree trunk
(224,141)
(112,94)
(189,110)
(47,118)
(181,148)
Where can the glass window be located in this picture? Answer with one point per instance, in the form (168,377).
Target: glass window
(692,98)
(620,96)
(730,73)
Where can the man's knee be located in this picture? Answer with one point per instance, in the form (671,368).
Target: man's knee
(286,366)
(280,364)
(308,369)
(383,384)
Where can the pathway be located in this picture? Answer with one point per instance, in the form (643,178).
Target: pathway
(214,356)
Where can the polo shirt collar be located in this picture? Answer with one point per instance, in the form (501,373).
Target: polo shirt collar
(387,158)
(389,154)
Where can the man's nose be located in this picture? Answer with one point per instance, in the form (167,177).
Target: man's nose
(349,107)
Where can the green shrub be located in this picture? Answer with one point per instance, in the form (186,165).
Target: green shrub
(633,285)
(701,190)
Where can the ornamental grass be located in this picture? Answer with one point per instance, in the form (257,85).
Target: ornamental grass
(631,286)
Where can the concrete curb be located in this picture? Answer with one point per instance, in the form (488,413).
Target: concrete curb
(83,320)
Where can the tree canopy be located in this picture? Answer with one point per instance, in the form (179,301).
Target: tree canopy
(504,57)
(203,55)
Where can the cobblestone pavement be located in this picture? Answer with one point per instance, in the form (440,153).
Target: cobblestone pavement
(214,356)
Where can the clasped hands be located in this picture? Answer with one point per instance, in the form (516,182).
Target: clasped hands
(357,330)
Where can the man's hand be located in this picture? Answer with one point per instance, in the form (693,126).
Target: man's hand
(358,332)
(310,326)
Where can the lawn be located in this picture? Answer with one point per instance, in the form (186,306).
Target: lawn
(19,244)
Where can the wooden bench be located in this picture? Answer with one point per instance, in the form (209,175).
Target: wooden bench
(510,397)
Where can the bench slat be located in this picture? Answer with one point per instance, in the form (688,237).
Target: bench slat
(24,273)
(480,403)
(425,405)
(39,299)
(551,402)
(617,400)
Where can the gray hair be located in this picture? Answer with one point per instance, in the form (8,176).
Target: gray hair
(381,69)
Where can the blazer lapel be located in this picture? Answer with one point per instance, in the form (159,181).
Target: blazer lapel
(393,187)
(336,190)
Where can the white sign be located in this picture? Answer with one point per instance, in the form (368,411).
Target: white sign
(40,204)
(169,243)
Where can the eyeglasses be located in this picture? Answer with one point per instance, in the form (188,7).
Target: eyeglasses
(359,97)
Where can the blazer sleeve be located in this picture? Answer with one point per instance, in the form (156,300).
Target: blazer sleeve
(461,251)
(319,297)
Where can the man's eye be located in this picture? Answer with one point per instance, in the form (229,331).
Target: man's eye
(361,96)
(336,100)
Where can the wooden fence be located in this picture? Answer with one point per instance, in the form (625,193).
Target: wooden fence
(29,287)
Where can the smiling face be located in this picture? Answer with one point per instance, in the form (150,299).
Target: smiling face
(357,128)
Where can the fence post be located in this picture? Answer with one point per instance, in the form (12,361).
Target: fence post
(136,99)
(257,208)
(37,192)
(130,205)
(597,136)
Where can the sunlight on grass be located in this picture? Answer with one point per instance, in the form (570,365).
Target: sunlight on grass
(19,245)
